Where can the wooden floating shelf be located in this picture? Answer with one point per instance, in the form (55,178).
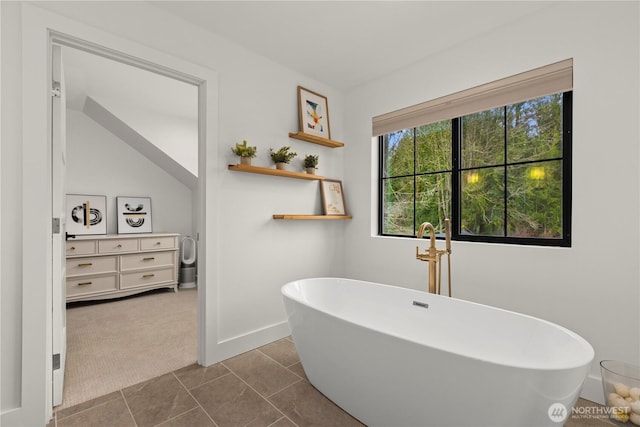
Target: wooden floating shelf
(308,217)
(273,171)
(316,139)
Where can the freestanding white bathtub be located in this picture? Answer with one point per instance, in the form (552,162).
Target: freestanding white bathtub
(438,361)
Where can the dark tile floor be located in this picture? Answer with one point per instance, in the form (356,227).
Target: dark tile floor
(263,387)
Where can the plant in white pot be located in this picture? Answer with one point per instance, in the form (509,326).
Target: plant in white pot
(282,157)
(311,163)
(245,152)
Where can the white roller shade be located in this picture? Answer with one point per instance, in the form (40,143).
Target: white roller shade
(547,80)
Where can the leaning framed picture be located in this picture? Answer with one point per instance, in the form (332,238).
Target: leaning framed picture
(134,214)
(313,112)
(332,197)
(86,214)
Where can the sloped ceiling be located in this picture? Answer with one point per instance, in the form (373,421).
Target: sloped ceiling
(156,115)
(144,146)
(93,75)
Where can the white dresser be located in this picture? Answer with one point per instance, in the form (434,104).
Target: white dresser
(111,266)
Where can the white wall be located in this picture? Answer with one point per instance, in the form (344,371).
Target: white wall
(11,225)
(100,163)
(176,136)
(257,255)
(0,213)
(592,287)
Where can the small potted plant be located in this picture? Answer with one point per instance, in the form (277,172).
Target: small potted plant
(245,152)
(311,163)
(282,156)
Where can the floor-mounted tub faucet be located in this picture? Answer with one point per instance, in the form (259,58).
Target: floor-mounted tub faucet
(434,256)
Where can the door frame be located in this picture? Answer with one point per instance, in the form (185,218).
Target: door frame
(64,40)
(58,191)
(39,30)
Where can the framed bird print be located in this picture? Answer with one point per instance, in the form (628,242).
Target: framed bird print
(134,214)
(313,112)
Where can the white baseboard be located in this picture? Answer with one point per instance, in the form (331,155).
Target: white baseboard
(592,389)
(251,340)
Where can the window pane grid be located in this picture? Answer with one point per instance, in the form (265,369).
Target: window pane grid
(515,194)
(433,199)
(482,138)
(398,206)
(529,162)
(433,147)
(534,129)
(482,201)
(398,154)
(537,187)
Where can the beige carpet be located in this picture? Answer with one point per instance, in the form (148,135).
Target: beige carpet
(118,343)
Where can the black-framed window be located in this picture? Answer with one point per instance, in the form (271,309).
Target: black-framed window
(502,175)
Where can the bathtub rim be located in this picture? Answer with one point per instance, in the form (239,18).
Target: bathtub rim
(584,344)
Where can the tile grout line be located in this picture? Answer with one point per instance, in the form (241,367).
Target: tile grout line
(331,401)
(181,414)
(57,411)
(276,421)
(286,367)
(194,398)
(287,386)
(261,396)
(135,423)
(284,388)
(85,410)
(205,382)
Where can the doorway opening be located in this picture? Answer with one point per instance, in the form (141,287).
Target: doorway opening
(138,117)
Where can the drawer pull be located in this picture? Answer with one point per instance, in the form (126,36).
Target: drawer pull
(72,248)
(119,246)
(85,283)
(148,276)
(85,264)
(158,243)
(149,258)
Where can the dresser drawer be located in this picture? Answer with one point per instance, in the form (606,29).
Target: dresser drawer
(85,286)
(149,259)
(81,247)
(153,243)
(111,246)
(95,265)
(143,278)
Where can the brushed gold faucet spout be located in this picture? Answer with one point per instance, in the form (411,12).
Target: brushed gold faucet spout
(434,256)
(432,233)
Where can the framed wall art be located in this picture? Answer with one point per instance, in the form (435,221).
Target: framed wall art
(332,197)
(86,214)
(313,112)
(134,214)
